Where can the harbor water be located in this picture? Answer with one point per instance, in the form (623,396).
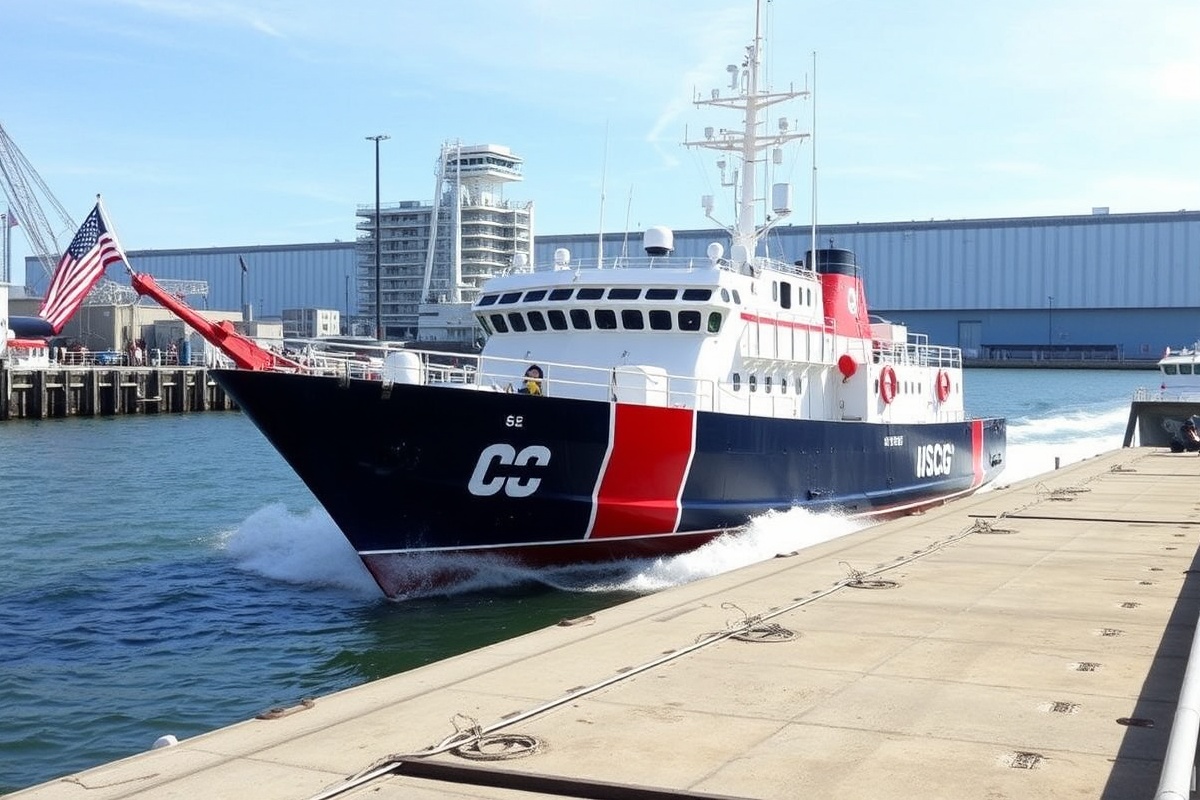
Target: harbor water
(170,574)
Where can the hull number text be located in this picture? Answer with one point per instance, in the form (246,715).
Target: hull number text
(501,468)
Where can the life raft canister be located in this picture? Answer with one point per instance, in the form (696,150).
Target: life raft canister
(942,385)
(888,385)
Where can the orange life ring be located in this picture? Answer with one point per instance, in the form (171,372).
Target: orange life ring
(888,385)
(942,385)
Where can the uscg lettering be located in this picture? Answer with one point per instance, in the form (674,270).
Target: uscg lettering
(487,480)
(934,459)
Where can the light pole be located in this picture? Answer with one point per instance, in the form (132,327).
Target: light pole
(378,271)
(1050,323)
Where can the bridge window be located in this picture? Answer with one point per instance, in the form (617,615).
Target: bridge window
(714,321)
(488,299)
(580,319)
(536,294)
(724,294)
(590,293)
(537,321)
(510,297)
(624,294)
(517,322)
(606,319)
(561,294)
(499,324)
(483,323)
(661,294)
(697,294)
(558,320)
(737,298)
(660,320)
(689,320)
(632,320)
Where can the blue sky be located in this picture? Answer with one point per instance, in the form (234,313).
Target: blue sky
(242,122)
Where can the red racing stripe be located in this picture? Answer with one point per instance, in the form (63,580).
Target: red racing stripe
(977,451)
(639,491)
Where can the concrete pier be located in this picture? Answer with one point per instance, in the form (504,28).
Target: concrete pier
(92,391)
(1028,642)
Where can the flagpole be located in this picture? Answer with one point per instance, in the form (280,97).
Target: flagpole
(6,276)
(113,233)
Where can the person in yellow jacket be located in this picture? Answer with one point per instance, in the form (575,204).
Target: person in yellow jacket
(533,380)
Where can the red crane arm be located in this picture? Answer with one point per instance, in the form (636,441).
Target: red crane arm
(244,352)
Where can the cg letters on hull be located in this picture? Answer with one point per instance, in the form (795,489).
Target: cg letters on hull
(501,468)
(934,460)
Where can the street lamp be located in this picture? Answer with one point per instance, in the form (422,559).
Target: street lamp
(1050,322)
(378,271)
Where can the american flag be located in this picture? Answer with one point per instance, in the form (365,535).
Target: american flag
(91,251)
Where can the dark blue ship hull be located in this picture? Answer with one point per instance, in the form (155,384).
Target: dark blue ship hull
(407,470)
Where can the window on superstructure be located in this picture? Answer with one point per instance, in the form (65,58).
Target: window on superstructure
(590,293)
(775,290)
(767,384)
(754,383)
(624,293)
(724,294)
(689,320)
(517,322)
(783,385)
(606,319)
(499,324)
(510,297)
(714,321)
(483,323)
(580,319)
(561,294)
(558,320)
(697,294)
(785,295)
(661,294)
(488,300)
(737,381)
(660,320)
(632,320)
(537,321)
(536,294)
(737,298)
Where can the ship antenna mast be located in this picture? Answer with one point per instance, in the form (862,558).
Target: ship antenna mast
(746,144)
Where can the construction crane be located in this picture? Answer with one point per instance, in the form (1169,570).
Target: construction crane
(46,224)
(49,233)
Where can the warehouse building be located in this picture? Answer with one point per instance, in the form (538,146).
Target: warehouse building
(1092,286)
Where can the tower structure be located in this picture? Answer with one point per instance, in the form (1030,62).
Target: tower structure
(435,257)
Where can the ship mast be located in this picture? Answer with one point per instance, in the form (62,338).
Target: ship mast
(746,145)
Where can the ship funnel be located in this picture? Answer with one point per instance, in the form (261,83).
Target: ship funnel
(658,241)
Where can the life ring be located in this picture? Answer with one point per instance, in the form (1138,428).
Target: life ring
(888,385)
(942,385)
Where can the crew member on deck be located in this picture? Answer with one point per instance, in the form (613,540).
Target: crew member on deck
(533,380)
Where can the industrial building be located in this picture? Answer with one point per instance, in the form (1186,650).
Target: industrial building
(1091,286)
(432,259)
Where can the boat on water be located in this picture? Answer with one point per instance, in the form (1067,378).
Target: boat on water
(633,406)
(1170,415)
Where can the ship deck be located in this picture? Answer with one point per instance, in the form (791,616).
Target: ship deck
(1029,641)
